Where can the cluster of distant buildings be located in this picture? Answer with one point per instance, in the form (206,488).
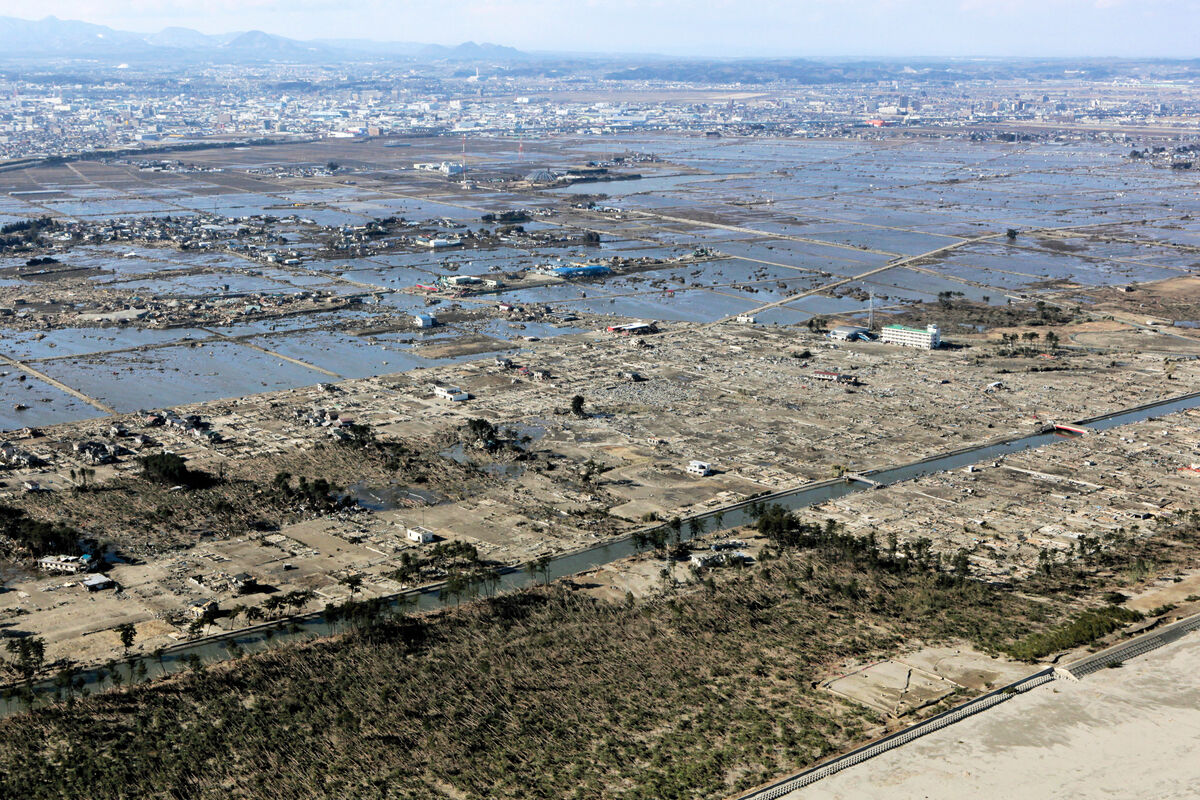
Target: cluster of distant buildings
(49,116)
(448,168)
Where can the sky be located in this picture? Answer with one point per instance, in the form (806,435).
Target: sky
(720,28)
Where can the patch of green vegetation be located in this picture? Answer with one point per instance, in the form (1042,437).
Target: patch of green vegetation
(956,315)
(172,470)
(317,494)
(37,537)
(1086,628)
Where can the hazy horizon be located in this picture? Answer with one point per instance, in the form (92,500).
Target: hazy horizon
(720,28)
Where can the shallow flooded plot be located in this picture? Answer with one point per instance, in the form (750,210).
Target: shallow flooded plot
(335,217)
(391,277)
(30,402)
(1114,245)
(662,183)
(517,331)
(415,208)
(25,345)
(179,374)
(118,262)
(348,356)
(409,303)
(690,305)
(207,285)
(1026,265)
(902,279)
(119,207)
(240,204)
(806,255)
(990,271)
(822,304)
(552,293)
(891,241)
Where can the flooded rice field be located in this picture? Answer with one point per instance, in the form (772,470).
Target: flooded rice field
(782,217)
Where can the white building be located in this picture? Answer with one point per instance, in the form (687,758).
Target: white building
(446,167)
(424,320)
(420,535)
(451,393)
(700,468)
(438,241)
(70,565)
(927,339)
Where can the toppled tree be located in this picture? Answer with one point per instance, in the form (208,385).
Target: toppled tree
(29,654)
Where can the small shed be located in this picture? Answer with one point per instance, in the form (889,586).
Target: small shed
(96,583)
(420,535)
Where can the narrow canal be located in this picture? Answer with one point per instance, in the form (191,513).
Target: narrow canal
(223,646)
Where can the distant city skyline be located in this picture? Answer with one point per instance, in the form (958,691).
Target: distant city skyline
(718,28)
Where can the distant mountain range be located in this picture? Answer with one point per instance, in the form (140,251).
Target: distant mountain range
(53,38)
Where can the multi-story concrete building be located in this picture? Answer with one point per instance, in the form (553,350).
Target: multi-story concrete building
(927,339)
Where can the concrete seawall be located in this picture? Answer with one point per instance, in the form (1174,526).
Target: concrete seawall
(1074,671)
(892,741)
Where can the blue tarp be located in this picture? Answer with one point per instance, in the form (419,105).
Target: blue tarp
(580,272)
